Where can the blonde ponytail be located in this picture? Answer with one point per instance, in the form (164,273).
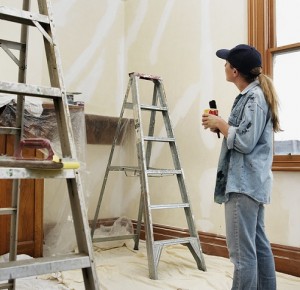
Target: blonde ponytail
(269,91)
(267,87)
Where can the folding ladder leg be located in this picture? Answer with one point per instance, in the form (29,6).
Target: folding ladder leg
(15,198)
(75,190)
(143,179)
(82,231)
(139,224)
(110,167)
(114,143)
(194,246)
(148,154)
(14,221)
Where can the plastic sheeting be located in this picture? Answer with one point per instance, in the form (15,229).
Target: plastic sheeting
(60,235)
(122,226)
(44,125)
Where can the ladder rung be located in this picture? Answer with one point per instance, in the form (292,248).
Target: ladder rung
(163,172)
(12,44)
(9,130)
(128,105)
(8,210)
(124,168)
(153,108)
(6,285)
(39,266)
(23,173)
(21,16)
(29,90)
(113,238)
(174,241)
(172,205)
(159,139)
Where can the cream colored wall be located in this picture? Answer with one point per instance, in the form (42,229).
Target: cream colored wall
(103,41)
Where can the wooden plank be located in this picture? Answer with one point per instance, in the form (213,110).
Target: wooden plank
(29,90)
(30,164)
(23,173)
(9,130)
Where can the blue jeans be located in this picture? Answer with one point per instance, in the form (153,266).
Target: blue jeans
(248,246)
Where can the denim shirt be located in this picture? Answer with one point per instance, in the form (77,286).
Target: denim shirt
(247,153)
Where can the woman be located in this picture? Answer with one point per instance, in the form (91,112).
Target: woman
(244,176)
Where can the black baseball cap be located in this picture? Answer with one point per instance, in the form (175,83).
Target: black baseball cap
(243,57)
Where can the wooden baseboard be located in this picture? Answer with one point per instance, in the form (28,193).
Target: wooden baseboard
(287,259)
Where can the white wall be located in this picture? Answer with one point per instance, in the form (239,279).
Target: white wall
(103,41)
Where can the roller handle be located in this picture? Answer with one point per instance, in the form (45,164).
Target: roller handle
(36,143)
(213,105)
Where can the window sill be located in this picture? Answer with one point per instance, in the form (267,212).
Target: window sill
(286,163)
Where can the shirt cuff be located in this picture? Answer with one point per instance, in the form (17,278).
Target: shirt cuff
(231,137)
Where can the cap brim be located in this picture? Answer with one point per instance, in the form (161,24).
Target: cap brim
(223,53)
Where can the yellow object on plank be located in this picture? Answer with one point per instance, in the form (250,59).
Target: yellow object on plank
(70,164)
(66,163)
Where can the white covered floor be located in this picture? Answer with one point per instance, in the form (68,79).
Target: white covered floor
(122,268)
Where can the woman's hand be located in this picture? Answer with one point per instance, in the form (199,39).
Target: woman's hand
(210,122)
(215,124)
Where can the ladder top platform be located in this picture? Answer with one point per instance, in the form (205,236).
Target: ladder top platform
(145,76)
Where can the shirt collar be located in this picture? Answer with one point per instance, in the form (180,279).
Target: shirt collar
(249,87)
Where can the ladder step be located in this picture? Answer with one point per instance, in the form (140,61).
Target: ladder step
(12,44)
(113,238)
(159,139)
(145,107)
(21,16)
(175,241)
(23,173)
(29,90)
(163,172)
(150,172)
(9,130)
(124,168)
(6,285)
(153,108)
(39,266)
(8,210)
(169,206)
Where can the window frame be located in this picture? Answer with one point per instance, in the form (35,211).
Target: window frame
(262,35)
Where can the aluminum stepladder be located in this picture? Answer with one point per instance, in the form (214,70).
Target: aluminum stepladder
(16,170)
(159,105)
